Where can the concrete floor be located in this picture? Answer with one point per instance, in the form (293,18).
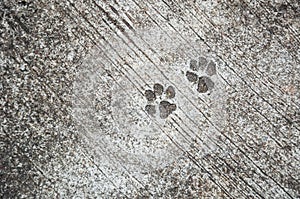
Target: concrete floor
(149,99)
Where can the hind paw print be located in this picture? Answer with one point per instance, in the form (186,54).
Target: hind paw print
(159,101)
(200,73)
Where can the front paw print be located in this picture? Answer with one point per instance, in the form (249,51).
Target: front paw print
(200,73)
(159,101)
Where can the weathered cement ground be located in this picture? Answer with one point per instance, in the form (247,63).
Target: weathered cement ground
(81,117)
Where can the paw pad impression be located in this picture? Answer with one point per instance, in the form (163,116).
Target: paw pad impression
(159,101)
(204,67)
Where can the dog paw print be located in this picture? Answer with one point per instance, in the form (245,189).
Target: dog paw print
(200,73)
(159,101)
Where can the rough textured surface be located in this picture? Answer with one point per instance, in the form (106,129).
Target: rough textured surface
(149,99)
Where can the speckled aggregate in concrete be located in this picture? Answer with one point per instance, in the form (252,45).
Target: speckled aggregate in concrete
(74,76)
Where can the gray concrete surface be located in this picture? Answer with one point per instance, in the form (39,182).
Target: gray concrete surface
(149,99)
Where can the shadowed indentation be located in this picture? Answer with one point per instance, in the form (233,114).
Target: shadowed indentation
(166,108)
